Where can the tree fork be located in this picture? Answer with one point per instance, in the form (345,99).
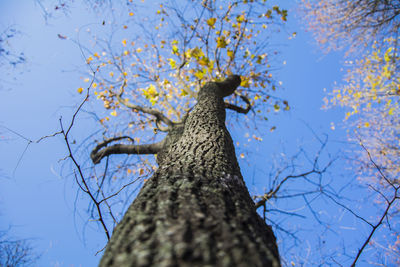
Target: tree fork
(195,210)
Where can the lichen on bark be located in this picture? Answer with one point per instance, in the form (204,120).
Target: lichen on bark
(195,210)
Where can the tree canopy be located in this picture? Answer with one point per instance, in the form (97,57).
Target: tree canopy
(148,79)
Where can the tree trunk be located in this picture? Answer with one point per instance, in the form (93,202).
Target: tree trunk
(195,210)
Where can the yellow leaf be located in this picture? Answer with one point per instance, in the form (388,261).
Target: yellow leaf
(260,58)
(86,80)
(113,113)
(126,53)
(130,13)
(367,124)
(387,54)
(125,73)
(196,53)
(141,171)
(242,155)
(199,74)
(245,82)
(221,42)
(211,22)
(152,90)
(89,59)
(80,90)
(111,74)
(391,111)
(240,18)
(139,50)
(124,42)
(229,53)
(174,49)
(204,61)
(172,63)
(94,85)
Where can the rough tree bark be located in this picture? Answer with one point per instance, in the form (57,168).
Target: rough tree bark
(195,210)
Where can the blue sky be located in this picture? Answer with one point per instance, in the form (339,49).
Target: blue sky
(41,204)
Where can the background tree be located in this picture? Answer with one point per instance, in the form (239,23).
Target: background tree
(16,252)
(352,24)
(370,94)
(7,55)
(10,58)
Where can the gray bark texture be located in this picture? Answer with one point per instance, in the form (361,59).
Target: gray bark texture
(195,210)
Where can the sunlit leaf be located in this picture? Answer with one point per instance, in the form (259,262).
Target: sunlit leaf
(221,42)
(211,22)
(172,63)
(175,49)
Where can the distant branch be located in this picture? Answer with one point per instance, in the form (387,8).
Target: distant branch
(274,191)
(83,184)
(389,204)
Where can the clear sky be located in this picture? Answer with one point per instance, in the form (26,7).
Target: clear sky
(41,204)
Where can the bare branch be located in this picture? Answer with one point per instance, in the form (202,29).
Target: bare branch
(84,185)
(240,109)
(156,113)
(97,156)
(375,227)
(272,193)
(106,142)
(275,190)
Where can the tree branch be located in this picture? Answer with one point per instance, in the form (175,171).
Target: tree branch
(156,113)
(106,142)
(97,155)
(240,109)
